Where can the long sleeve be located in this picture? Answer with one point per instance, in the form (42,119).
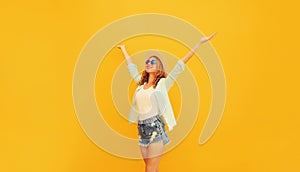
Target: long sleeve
(133,71)
(178,69)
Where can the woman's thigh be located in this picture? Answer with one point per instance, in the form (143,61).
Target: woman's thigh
(154,153)
(144,151)
(155,149)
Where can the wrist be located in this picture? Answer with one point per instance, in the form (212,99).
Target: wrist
(196,47)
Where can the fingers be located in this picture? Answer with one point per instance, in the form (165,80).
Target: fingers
(120,46)
(206,38)
(212,35)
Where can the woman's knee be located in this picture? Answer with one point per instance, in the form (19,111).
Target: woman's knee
(152,164)
(151,168)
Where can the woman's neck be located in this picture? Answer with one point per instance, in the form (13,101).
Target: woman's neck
(151,78)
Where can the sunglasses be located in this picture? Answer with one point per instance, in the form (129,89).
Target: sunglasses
(153,61)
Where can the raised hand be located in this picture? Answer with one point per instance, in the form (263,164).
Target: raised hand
(120,46)
(206,38)
(193,50)
(124,51)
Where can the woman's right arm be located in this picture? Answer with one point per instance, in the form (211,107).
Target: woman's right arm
(132,68)
(124,51)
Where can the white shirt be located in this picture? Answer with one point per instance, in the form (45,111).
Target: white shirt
(161,93)
(146,103)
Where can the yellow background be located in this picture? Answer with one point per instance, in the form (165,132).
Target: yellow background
(257,42)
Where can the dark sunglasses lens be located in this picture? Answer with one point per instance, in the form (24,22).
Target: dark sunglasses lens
(152,61)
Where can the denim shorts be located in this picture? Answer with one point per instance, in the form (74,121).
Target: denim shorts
(152,130)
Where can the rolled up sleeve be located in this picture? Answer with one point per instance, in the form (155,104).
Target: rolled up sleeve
(133,71)
(178,69)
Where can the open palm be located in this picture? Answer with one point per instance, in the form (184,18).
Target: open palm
(206,38)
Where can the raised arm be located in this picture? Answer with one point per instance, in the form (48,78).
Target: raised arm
(193,50)
(132,68)
(124,51)
(179,67)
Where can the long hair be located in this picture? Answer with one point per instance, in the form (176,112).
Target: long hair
(159,74)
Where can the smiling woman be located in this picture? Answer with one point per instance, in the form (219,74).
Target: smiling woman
(151,105)
(154,71)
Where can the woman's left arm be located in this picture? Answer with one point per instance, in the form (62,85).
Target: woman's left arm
(193,50)
(179,67)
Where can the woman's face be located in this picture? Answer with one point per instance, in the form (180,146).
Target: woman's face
(151,65)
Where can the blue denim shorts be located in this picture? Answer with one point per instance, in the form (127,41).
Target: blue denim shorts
(152,130)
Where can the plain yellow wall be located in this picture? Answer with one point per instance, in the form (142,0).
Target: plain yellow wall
(256,42)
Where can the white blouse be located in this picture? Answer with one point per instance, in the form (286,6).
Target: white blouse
(161,92)
(146,103)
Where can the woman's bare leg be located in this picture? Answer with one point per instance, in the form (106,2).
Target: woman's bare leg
(154,153)
(144,151)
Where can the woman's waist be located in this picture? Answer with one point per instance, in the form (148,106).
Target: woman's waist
(149,119)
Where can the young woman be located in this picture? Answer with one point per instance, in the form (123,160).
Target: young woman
(151,106)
